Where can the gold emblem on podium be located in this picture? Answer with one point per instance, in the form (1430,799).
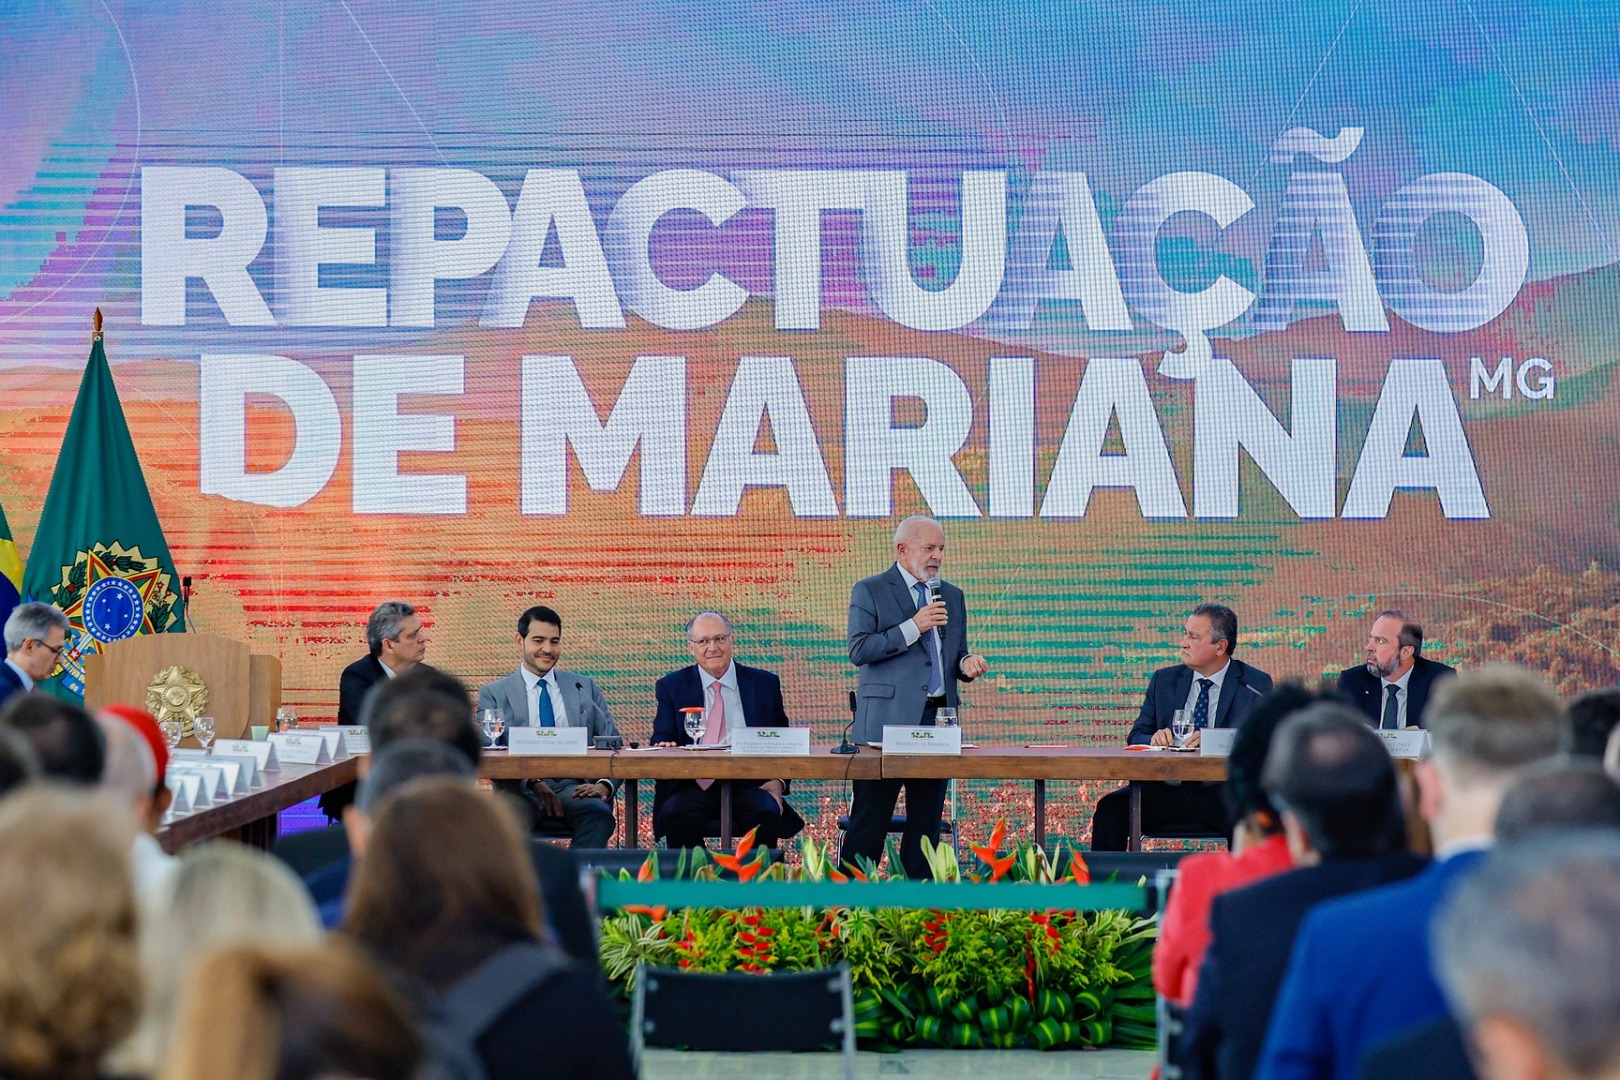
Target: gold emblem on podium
(177,694)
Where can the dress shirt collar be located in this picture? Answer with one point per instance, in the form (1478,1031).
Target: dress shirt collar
(727,680)
(1219,678)
(530,679)
(1404,681)
(911,582)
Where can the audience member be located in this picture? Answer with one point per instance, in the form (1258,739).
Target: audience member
(732,695)
(1259,849)
(1213,690)
(35,635)
(540,694)
(1589,720)
(1335,787)
(316,1013)
(69,979)
(137,759)
(66,741)
(443,892)
(1528,949)
(18,762)
(221,894)
(1565,793)
(1360,970)
(1393,687)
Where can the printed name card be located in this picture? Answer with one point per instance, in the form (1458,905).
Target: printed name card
(1216,742)
(212,780)
(1405,744)
(184,789)
(547,740)
(779,741)
(262,753)
(922,740)
(356,740)
(301,749)
(240,770)
(336,747)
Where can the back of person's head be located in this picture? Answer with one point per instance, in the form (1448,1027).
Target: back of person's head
(398,763)
(129,771)
(66,741)
(1589,719)
(422,703)
(221,894)
(145,727)
(254,1012)
(1243,793)
(1527,948)
(1491,721)
(18,762)
(69,980)
(1334,775)
(1564,793)
(443,861)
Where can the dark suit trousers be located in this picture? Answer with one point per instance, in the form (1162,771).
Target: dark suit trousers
(588,821)
(1167,809)
(872,809)
(686,817)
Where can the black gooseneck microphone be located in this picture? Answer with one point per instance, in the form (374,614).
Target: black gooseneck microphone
(844,745)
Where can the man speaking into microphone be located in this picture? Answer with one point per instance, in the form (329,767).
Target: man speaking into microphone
(908,639)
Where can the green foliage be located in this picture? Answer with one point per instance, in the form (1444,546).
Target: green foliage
(994,978)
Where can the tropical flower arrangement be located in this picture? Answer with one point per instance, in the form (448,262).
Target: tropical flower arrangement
(969,978)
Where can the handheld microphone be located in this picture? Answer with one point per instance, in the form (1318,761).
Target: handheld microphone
(844,745)
(933,589)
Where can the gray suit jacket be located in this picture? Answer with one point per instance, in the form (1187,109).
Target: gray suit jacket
(892,686)
(582,701)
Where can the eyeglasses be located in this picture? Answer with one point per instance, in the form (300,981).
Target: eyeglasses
(705,642)
(55,650)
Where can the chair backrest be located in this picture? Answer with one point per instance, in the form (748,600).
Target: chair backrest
(735,1011)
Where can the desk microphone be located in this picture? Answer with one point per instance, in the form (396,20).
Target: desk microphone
(844,745)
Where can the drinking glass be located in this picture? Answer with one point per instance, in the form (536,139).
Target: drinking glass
(945,716)
(694,725)
(171,732)
(1181,726)
(203,727)
(286,719)
(492,723)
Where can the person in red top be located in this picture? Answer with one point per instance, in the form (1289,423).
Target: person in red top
(1259,850)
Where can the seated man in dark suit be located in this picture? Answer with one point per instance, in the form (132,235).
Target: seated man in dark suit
(1215,691)
(731,696)
(425,704)
(541,694)
(1392,688)
(1335,786)
(35,636)
(397,643)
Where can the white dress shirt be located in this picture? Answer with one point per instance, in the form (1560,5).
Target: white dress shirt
(1214,692)
(1400,699)
(558,712)
(729,694)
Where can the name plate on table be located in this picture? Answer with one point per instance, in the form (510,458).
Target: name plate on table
(212,778)
(1216,741)
(238,770)
(922,740)
(356,740)
(547,740)
(778,741)
(336,747)
(1405,744)
(262,753)
(185,789)
(301,749)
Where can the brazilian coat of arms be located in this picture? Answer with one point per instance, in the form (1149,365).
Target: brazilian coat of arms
(109,593)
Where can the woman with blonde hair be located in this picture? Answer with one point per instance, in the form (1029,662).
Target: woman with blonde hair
(444,892)
(221,894)
(258,1013)
(69,981)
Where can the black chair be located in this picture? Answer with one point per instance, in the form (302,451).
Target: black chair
(738,1012)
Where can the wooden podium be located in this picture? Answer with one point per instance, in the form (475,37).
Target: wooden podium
(244,688)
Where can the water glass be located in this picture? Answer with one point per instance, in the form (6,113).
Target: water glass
(172,732)
(1181,726)
(945,716)
(204,729)
(286,719)
(492,723)
(695,725)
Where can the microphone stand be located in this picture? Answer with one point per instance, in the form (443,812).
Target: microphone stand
(844,745)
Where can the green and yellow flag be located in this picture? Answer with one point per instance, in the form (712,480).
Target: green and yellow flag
(10,570)
(99,554)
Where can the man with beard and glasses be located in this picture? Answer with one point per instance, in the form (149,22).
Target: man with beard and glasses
(1392,688)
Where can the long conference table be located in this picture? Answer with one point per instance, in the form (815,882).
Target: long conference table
(253,816)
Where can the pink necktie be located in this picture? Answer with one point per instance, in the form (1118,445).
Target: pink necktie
(714,732)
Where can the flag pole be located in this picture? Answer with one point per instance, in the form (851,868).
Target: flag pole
(96,324)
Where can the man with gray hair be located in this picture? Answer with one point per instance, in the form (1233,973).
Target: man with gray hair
(908,642)
(397,643)
(1360,972)
(1528,950)
(35,636)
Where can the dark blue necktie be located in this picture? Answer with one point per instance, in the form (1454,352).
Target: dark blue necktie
(936,680)
(1201,708)
(548,715)
(1392,707)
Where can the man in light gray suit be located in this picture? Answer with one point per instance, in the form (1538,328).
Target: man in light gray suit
(540,694)
(910,650)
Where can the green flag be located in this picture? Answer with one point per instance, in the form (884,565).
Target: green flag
(99,554)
